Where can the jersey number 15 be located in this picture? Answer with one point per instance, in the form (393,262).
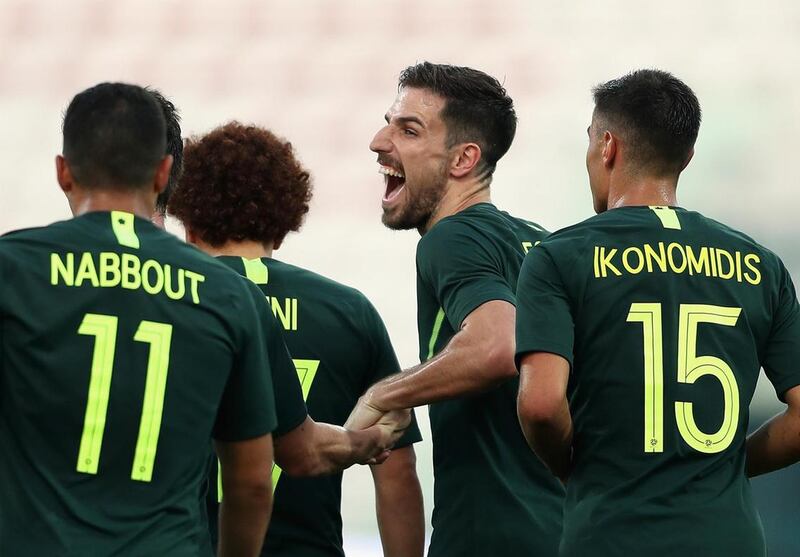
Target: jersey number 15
(691,367)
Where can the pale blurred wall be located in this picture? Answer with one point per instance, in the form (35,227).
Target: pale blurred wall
(323,73)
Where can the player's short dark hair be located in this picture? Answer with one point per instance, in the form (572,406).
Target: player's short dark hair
(114,136)
(656,113)
(174,147)
(477,108)
(241,183)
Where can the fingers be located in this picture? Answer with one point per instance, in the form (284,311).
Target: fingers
(363,416)
(380,459)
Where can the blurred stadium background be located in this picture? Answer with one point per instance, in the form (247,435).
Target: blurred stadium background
(322,74)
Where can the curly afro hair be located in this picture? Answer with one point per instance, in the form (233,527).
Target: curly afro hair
(241,183)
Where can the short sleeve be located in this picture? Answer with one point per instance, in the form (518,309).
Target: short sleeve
(247,409)
(289,404)
(544,317)
(384,364)
(781,360)
(461,270)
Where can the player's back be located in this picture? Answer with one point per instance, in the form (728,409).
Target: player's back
(340,347)
(673,314)
(117,343)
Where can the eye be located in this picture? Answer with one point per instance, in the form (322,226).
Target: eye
(409,131)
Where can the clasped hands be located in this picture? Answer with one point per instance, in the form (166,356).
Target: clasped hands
(381,428)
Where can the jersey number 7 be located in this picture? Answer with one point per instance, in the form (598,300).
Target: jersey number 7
(691,367)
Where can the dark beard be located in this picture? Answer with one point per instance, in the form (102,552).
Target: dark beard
(419,206)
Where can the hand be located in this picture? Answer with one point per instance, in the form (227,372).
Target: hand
(365,414)
(372,445)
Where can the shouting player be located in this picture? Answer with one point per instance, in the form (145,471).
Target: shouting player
(640,335)
(242,192)
(443,137)
(123,352)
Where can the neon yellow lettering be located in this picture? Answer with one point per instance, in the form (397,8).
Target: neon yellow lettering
(110,275)
(131,267)
(158,285)
(86,270)
(60,268)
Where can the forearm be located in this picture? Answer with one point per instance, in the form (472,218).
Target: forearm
(399,508)
(247,504)
(315,449)
(461,368)
(774,445)
(551,440)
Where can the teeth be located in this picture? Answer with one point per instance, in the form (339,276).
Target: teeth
(389,171)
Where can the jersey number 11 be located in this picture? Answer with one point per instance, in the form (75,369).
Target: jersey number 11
(159,337)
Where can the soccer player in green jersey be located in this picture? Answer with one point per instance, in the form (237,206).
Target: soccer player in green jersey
(243,190)
(640,335)
(444,135)
(123,352)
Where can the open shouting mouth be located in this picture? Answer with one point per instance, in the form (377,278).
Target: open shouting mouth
(395,182)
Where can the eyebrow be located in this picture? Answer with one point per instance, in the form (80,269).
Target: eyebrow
(405,120)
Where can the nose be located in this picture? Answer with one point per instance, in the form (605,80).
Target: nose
(381,143)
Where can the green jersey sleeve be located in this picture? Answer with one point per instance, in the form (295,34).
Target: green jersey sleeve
(384,364)
(461,269)
(781,360)
(544,315)
(289,404)
(247,408)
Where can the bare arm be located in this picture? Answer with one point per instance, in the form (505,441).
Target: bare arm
(543,410)
(247,484)
(478,357)
(398,501)
(314,448)
(776,444)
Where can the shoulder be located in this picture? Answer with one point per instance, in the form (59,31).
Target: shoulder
(311,279)
(34,233)
(452,233)
(576,236)
(317,285)
(740,239)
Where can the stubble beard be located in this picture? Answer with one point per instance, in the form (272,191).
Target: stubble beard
(421,204)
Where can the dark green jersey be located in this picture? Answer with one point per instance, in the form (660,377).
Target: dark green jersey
(123,351)
(340,347)
(492,496)
(666,317)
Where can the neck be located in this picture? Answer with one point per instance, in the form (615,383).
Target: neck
(643,191)
(248,249)
(459,196)
(138,203)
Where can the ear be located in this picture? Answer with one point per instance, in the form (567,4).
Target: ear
(609,149)
(64,175)
(162,174)
(688,160)
(466,158)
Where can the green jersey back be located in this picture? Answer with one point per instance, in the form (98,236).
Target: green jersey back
(666,317)
(340,347)
(492,496)
(123,351)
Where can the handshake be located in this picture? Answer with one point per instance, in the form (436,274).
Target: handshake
(373,431)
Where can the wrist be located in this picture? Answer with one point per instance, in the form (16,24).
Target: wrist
(376,398)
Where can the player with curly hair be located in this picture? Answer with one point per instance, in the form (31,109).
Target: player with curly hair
(242,192)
